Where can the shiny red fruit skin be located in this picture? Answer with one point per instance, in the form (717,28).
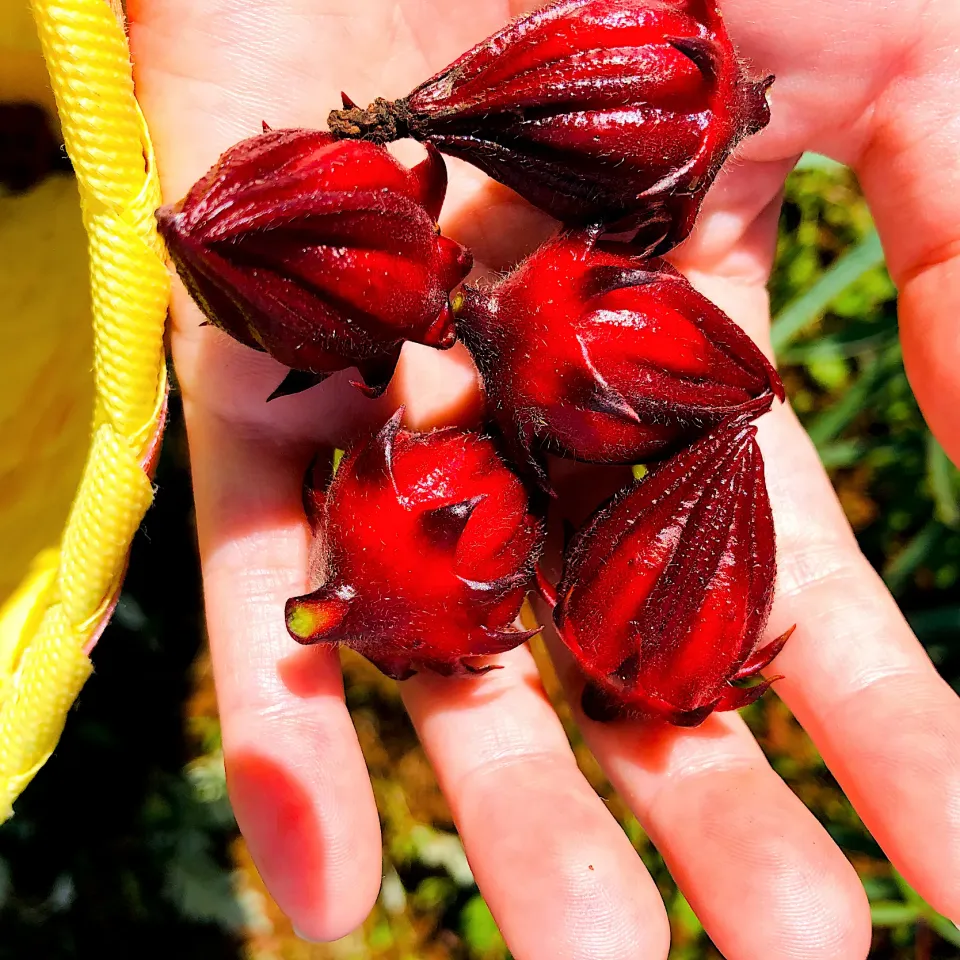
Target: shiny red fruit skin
(427,550)
(324,253)
(618,112)
(667,591)
(594,354)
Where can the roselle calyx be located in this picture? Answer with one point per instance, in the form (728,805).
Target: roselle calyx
(594,354)
(618,112)
(427,549)
(666,592)
(325,254)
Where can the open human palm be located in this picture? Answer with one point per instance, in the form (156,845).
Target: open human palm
(873,85)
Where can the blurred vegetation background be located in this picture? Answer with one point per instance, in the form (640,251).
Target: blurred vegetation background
(126,839)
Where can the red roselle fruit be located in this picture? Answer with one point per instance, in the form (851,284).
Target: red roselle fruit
(666,592)
(598,111)
(325,254)
(593,354)
(427,552)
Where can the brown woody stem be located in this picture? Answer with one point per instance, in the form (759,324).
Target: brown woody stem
(382,122)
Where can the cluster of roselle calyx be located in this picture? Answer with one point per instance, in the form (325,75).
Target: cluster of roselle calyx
(614,116)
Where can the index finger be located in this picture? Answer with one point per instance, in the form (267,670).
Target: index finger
(206,75)
(297,779)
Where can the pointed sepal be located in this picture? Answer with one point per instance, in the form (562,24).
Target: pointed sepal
(296,381)
(374,463)
(693,718)
(601,280)
(431,177)
(444,526)
(735,698)
(376,374)
(474,669)
(602,397)
(702,52)
(500,641)
(599,705)
(763,657)
(508,581)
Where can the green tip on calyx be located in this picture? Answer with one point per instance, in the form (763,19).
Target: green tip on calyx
(337,457)
(312,619)
(301,621)
(639,471)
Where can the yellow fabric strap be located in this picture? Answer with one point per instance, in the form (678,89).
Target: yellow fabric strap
(46,626)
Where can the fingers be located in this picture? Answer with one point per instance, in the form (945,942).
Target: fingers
(297,779)
(206,76)
(857,678)
(762,875)
(854,674)
(929,307)
(559,874)
(867,694)
(911,177)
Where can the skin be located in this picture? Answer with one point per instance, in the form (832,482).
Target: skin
(873,84)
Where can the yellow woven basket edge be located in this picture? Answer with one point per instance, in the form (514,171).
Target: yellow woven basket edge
(49,625)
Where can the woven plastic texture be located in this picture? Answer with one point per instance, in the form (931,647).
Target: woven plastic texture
(51,620)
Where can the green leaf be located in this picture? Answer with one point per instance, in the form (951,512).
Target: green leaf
(635,833)
(942,476)
(480,929)
(381,936)
(909,894)
(932,623)
(435,893)
(830,371)
(944,928)
(836,418)
(842,453)
(891,913)
(898,572)
(438,849)
(683,915)
(851,342)
(806,308)
(817,161)
(198,886)
(879,887)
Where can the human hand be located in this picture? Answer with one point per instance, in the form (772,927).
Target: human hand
(873,85)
